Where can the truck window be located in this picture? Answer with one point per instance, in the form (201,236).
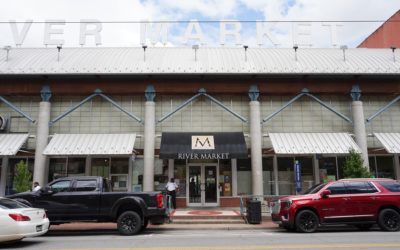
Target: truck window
(61,186)
(360,187)
(337,188)
(392,186)
(85,186)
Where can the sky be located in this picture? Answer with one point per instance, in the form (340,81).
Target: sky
(306,23)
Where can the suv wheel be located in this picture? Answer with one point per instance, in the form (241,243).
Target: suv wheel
(306,221)
(389,220)
(129,223)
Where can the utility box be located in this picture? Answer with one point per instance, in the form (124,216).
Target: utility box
(254,212)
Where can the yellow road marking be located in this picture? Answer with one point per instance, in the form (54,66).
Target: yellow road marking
(306,246)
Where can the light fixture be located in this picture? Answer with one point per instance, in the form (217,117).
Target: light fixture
(195,47)
(144,46)
(343,48)
(394,54)
(295,47)
(7,49)
(59,47)
(245,52)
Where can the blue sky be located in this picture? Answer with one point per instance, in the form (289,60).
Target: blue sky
(315,34)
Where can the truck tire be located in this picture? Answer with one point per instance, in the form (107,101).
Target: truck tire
(306,221)
(129,223)
(389,220)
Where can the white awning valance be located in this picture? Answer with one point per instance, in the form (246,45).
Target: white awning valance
(312,143)
(91,144)
(11,143)
(391,141)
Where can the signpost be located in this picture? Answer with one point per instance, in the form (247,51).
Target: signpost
(297,176)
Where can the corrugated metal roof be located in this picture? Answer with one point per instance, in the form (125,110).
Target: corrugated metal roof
(209,61)
(312,143)
(91,144)
(391,141)
(11,143)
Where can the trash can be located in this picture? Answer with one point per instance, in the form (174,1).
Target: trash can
(254,212)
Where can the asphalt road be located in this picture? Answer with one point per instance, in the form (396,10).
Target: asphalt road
(213,239)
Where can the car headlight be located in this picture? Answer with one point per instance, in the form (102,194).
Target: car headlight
(288,203)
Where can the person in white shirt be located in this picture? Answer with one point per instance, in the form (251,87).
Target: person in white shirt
(171,189)
(36,186)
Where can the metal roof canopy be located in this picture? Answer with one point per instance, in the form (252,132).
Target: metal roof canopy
(312,143)
(391,141)
(11,143)
(91,144)
(181,61)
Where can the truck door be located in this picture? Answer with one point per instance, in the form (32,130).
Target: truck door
(85,199)
(334,208)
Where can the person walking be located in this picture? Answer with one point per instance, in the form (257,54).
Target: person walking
(171,189)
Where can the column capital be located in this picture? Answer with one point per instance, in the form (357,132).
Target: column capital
(355,93)
(150,93)
(45,93)
(254,93)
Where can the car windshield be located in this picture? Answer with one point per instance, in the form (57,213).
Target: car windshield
(314,189)
(11,204)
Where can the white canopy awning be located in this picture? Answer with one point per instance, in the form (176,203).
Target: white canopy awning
(11,143)
(391,141)
(312,143)
(91,144)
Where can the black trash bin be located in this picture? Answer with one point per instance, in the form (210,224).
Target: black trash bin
(254,212)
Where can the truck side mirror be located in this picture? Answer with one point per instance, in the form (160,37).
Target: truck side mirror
(325,193)
(46,191)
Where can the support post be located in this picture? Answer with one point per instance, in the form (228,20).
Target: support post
(397,166)
(149,139)
(3,179)
(42,135)
(276,174)
(317,178)
(359,123)
(171,166)
(255,138)
(234,177)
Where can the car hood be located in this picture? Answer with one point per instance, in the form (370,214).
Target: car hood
(299,197)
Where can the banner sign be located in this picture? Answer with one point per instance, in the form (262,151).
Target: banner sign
(297,176)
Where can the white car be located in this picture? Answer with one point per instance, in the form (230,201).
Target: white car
(19,221)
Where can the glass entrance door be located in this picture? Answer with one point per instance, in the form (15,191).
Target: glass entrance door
(202,189)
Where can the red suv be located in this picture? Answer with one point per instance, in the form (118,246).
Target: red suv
(360,202)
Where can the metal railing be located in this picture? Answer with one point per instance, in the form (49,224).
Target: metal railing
(168,205)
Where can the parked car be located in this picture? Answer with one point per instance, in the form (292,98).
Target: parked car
(358,202)
(89,198)
(19,221)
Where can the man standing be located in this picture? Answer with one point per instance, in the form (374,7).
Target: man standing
(36,186)
(171,189)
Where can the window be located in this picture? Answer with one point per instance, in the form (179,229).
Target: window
(392,186)
(268,176)
(85,186)
(61,186)
(360,187)
(225,178)
(244,176)
(337,188)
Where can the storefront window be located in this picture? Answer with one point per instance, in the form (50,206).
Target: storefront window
(340,162)
(160,174)
(382,166)
(225,178)
(100,167)
(58,167)
(307,172)
(244,176)
(327,169)
(180,177)
(119,174)
(137,175)
(12,162)
(268,176)
(76,166)
(286,175)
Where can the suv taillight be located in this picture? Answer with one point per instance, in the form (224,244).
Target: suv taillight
(19,217)
(160,200)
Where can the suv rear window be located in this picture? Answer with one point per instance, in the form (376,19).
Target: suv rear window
(360,187)
(392,186)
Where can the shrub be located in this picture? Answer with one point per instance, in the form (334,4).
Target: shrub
(22,178)
(354,166)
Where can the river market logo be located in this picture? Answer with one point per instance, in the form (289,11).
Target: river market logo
(203,142)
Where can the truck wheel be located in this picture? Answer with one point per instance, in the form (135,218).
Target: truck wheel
(306,221)
(129,223)
(389,220)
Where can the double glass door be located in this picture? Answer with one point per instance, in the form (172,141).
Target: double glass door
(202,186)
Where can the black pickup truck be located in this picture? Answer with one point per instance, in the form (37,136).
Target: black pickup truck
(89,198)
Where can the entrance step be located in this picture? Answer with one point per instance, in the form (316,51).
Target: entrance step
(207,216)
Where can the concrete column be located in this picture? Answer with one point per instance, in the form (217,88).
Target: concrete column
(359,124)
(256,146)
(396,166)
(276,174)
(42,136)
(171,166)
(149,140)
(234,176)
(88,163)
(3,179)
(316,170)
